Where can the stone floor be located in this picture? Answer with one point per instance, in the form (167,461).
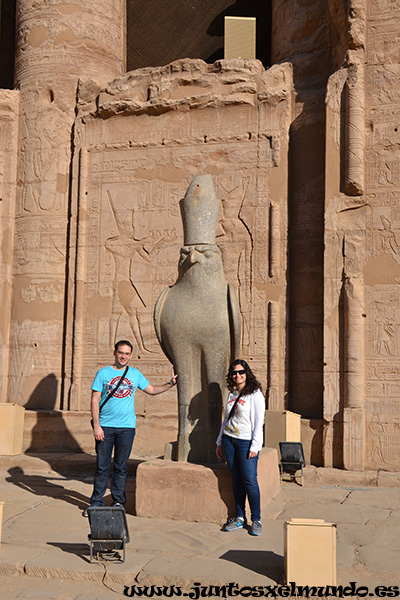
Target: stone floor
(45,553)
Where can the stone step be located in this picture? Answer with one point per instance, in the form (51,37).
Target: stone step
(59,462)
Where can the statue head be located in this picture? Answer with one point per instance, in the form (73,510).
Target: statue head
(200,211)
(200,260)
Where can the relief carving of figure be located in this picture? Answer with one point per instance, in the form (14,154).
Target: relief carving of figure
(197,322)
(388,237)
(387,330)
(127,297)
(236,244)
(377,432)
(44,156)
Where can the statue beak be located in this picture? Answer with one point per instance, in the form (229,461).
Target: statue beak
(195,257)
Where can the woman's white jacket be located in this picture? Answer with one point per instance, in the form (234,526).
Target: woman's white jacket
(257,413)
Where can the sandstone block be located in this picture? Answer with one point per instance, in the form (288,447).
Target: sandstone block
(190,492)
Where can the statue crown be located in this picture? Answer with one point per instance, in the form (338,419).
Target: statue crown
(200,211)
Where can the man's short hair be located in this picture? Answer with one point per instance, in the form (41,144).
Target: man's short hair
(123,343)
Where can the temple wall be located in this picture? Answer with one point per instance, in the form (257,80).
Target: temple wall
(302,37)
(56,43)
(134,158)
(9,111)
(381,269)
(305,160)
(362,252)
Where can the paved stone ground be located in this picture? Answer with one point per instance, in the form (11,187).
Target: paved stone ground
(45,552)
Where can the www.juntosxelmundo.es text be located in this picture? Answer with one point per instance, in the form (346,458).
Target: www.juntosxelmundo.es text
(233,590)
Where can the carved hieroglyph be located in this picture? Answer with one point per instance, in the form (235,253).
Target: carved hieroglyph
(92,169)
(362,317)
(56,43)
(382,268)
(197,322)
(9,109)
(135,157)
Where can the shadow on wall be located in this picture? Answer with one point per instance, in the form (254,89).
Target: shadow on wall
(206,411)
(50,433)
(44,395)
(316,458)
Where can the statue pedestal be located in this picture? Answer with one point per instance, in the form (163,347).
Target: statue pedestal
(188,492)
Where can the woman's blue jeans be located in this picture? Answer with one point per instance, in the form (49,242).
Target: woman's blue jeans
(120,439)
(244,476)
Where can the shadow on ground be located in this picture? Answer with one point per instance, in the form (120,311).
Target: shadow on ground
(260,561)
(81,550)
(49,486)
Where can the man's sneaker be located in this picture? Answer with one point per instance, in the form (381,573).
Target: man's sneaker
(117,504)
(234,523)
(256,528)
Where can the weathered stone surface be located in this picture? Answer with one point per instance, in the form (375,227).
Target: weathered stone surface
(69,431)
(55,44)
(47,534)
(304,157)
(9,110)
(171,490)
(158,129)
(362,258)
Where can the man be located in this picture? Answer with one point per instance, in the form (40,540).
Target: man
(114,421)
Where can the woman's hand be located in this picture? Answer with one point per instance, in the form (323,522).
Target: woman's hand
(252,454)
(218,451)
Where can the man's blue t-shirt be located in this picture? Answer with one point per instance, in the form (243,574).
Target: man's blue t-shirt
(119,411)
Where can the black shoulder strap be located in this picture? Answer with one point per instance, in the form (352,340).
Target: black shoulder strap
(234,406)
(115,389)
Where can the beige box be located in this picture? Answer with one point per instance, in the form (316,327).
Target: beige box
(310,552)
(11,428)
(281,426)
(240,37)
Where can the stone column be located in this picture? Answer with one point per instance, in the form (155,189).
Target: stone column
(274,241)
(57,44)
(9,108)
(275,387)
(275,391)
(354,375)
(355,131)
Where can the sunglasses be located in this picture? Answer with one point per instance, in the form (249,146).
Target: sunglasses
(239,372)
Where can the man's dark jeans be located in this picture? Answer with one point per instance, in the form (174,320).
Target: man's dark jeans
(120,439)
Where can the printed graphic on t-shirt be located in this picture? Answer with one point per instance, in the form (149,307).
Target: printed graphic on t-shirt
(241,401)
(232,429)
(125,389)
(239,424)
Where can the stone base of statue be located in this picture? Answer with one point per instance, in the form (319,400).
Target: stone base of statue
(166,489)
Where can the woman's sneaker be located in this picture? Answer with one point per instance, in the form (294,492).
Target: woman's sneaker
(256,528)
(234,523)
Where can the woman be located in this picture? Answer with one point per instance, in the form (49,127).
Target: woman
(240,439)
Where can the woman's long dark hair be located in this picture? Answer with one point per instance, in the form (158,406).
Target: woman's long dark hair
(251,382)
